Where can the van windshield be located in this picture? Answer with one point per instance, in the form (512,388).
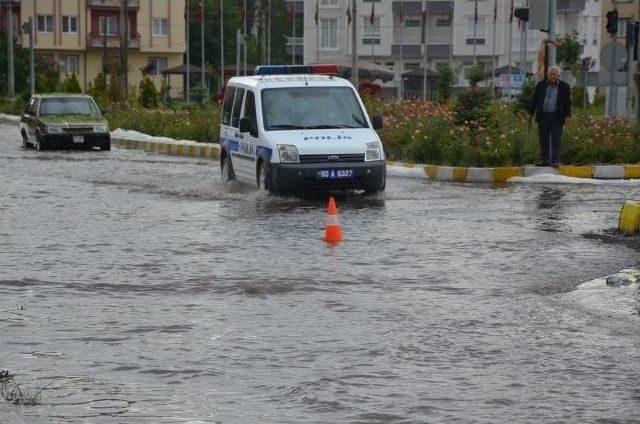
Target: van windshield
(294,108)
(68,106)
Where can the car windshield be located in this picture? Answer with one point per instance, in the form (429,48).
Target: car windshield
(295,108)
(68,106)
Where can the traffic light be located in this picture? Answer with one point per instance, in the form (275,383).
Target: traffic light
(612,21)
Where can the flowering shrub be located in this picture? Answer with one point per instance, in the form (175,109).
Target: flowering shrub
(425,132)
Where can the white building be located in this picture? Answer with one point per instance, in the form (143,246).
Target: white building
(395,39)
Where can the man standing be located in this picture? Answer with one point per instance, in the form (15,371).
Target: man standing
(552,106)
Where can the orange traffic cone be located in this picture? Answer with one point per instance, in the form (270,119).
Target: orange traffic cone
(332,231)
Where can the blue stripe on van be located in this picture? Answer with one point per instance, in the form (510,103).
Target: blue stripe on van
(234,146)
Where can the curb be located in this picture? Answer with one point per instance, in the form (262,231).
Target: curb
(629,221)
(180,148)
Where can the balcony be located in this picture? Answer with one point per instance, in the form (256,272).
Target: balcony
(415,51)
(111,4)
(570,5)
(97,41)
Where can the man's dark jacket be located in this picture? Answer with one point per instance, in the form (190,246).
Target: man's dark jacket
(564,100)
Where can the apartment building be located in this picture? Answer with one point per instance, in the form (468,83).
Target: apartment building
(395,38)
(83,37)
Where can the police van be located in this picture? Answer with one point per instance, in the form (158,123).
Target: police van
(299,128)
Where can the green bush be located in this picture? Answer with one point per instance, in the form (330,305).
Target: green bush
(445,81)
(476,75)
(148,93)
(471,105)
(523,102)
(70,85)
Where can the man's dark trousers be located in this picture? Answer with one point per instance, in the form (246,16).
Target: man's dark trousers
(550,133)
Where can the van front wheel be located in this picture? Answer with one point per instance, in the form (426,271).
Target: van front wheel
(227,170)
(264,177)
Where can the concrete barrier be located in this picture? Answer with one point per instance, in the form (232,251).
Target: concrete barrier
(629,221)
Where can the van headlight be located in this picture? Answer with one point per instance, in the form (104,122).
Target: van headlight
(54,129)
(101,128)
(288,153)
(373,151)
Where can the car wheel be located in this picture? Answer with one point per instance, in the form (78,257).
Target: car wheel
(25,141)
(264,177)
(227,170)
(106,146)
(40,144)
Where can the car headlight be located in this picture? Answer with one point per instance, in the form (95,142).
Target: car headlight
(53,129)
(288,153)
(101,128)
(373,151)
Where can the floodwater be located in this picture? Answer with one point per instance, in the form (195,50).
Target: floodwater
(136,288)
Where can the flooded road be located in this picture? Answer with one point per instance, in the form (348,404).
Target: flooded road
(135,287)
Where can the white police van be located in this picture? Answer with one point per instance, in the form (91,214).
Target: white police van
(299,128)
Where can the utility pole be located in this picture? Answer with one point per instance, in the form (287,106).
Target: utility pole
(294,43)
(510,48)
(244,44)
(238,46)
(11,87)
(124,44)
(354,39)
(401,66)
(424,69)
(552,32)
(188,80)
(269,33)
(32,72)
(475,32)
(493,50)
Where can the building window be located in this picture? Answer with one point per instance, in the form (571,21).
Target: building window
(411,66)
(480,31)
(45,23)
(157,65)
(329,34)
(160,27)
(328,2)
(70,24)
(371,33)
(108,25)
(412,23)
(68,64)
(443,22)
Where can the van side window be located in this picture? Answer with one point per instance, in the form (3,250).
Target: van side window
(228,105)
(237,106)
(250,112)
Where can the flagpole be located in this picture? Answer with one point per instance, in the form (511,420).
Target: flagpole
(188,81)
(244,44)
(317,19)
(354,44)
(493,51)
(204,89)
(475,32)
(371,21)
(293,39)
(401,88)
(510,47)
(221,44)
(424,68)
(269,34)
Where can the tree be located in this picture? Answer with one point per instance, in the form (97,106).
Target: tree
(148,93)
(568,51)
(476,75)
(20,63)
(70,84)
(445,81)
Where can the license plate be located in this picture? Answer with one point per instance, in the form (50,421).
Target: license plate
(78,139)
(334,174)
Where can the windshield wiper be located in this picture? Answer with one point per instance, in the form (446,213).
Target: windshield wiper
(319,127)
(286,127)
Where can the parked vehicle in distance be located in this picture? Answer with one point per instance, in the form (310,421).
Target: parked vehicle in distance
(299,128)
(62,121)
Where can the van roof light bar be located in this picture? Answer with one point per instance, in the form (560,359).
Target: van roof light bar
(324,69)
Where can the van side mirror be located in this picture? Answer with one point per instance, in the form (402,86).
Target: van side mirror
(245,124)
(376,120)
(104,111)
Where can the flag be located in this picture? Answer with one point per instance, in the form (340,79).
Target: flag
(348,15)
(495,11)
(511,13)
(372,18)
(315,17)
(200,12)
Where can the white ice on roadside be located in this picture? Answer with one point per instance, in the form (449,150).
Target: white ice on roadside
(136,135)
(9,118)
(602,299)
(400,171)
